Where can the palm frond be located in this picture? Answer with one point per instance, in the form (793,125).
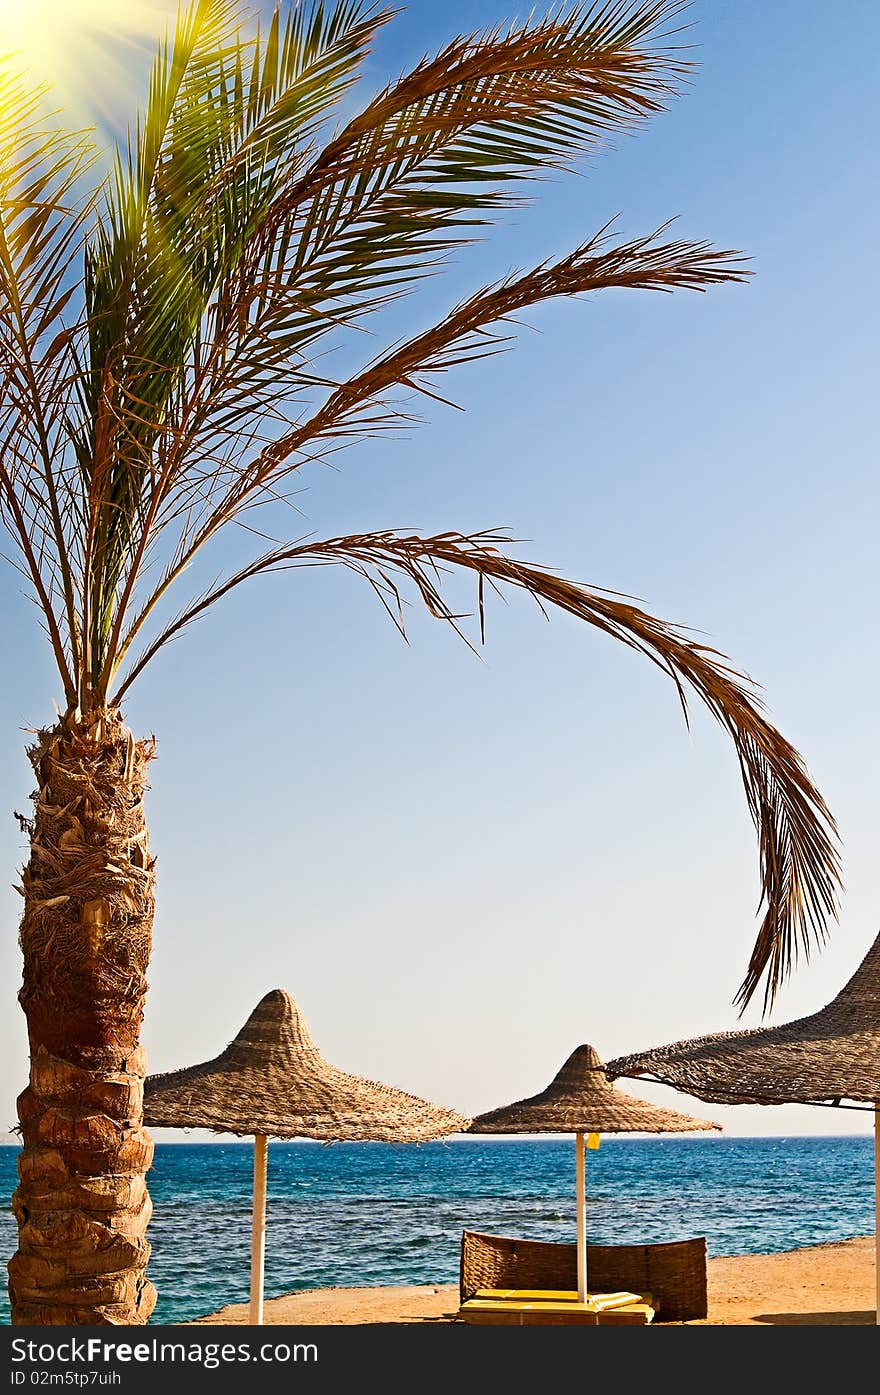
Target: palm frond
(797,835)
(114,441)
(470,331)
(43,210)
(420,168)
(507,103)
(223,116)
(480,326)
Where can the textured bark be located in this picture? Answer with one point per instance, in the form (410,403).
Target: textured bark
(82,1204)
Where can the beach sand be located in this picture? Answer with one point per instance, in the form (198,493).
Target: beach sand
(824,1284)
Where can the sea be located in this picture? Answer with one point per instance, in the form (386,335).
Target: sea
(375,1213)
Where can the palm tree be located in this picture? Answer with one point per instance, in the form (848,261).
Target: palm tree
(161,330)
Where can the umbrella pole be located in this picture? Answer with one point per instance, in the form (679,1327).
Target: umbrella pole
(258,1232)
(581,1217)
(877,1207)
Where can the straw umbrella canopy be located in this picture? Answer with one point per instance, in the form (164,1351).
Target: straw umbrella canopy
(271,1081)
(581,1100)
(830,1056)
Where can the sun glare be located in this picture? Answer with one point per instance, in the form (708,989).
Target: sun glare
(85,50)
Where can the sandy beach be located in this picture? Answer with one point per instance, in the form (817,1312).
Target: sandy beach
(829,1284)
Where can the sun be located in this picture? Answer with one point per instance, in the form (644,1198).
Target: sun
(86,51)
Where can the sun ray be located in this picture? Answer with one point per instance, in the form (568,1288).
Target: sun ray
(89,53)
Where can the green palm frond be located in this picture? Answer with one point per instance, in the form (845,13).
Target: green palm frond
(136,291)
(223,121)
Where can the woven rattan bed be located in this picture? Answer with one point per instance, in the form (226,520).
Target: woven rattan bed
(674,1272)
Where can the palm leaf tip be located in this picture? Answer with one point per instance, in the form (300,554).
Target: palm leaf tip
(798,840)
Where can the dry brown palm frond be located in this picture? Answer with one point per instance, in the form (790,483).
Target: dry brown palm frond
(470,332)
(474,329)
(602,60)
(797,835)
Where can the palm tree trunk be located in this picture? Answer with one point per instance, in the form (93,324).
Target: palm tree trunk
(82,1205)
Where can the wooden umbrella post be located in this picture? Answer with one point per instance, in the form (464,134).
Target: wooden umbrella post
(581,1217)
(258,1233)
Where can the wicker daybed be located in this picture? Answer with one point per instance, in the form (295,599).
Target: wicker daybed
(672,1273)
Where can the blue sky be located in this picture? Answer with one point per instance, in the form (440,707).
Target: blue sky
(464,867)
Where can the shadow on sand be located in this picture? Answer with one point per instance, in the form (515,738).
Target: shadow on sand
(834,1319)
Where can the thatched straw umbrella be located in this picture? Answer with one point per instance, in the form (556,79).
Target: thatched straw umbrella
(271,1081)
(580,1100)
(830,1056)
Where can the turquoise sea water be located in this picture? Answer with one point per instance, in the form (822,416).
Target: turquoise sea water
(373,1213)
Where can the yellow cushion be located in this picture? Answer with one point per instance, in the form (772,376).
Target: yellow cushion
(489,1305)
(528,1306)
(530,1295)
(603,1301)
(493,1310)
(598,1301)
(635,1314)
